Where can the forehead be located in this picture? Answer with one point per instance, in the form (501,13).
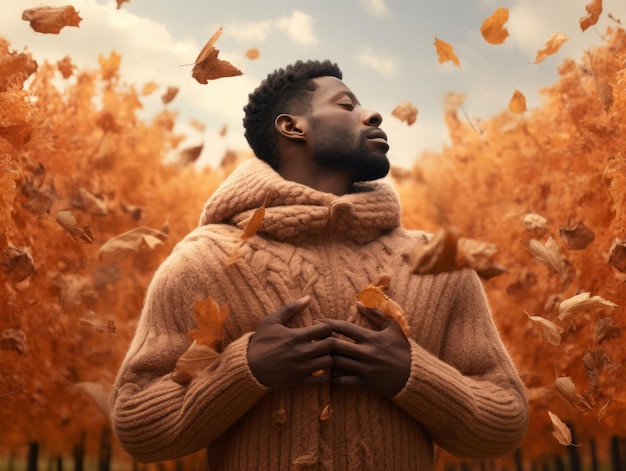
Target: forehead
(329,87)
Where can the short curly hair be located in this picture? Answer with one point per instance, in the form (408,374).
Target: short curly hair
(286,90)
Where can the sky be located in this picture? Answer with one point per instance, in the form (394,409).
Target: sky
(385,49)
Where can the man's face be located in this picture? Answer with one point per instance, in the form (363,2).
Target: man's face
(344,135)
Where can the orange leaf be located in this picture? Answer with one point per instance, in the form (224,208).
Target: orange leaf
(561,431)
(445,52)
(552,46)
(51,20)
(406,112)
(149,87)
(67,220)
(65,67)
(550,331)
(374,297)
(210,320)
(252,226)
(593,14)
(120,2)
(565,385)
(169,94)
(208,67)
(517,104)
(253,53)
(493,29)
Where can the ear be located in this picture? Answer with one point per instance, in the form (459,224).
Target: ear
(290,126)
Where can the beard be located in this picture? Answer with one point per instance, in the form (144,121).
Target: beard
(333,150)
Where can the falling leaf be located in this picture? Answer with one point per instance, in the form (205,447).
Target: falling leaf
(207,340)
(208,67)
(552,46)
(91,319)
(549,255)
(325,414)
(17,263)
(169,94)
(577,237)
(605,330)
(550,331)
(594,9)
(253,53)
(446,251)
(132,240)
(579,303)
(14,340)
(374,296)
(51,20)
(252,225)
(223,130)
(517,105)
(190,154)
(445,52)
(406,112)
(617,256)
(614,411)
(536,224)
(149,88)
(90,203)
(493,29)
(121,2)
(595,361)
(67,220)
(197,125)
(65,67)
(561,431)
(565,385)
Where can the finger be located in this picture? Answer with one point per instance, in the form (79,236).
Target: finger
(347,329)
(288,311)
(375,316)
(352,381)
(349,365)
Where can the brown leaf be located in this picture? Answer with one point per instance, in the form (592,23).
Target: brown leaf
(253,53)
(595,361)
(493,29)
(65,67)
(210,321)
(594,9)
(580,303)
(567,388)
(552,46)
(14,340)
(326,412)
(605,329)
(517,104)
(67,220)
(406,112)
(477,255)
(132,240)
(617,257)
(90,203)
(374,296)
(189,155)
(445,52)
(17,263)
(550,331)
(207,65)
(577,237)
(91,319)
(196,358)
(51,20)
(169,94)
(561,431)
(252,225)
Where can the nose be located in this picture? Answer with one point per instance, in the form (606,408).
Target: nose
(372,118)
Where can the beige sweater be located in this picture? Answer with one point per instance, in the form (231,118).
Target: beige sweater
(463,393)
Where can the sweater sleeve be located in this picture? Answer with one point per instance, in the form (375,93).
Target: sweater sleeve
(155,418)
(470,398)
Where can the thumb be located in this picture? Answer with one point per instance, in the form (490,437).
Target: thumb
(288,311)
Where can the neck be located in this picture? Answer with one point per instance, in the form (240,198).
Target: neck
(328,180)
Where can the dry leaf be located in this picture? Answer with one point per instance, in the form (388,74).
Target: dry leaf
(581,302)
(197,125)
(253,53)
(223,130)
(169,94)
(17,263)
(196,358)
(561,431)
(208,67)
(567,388)
(325,414)
(149,88)
(65,67)
(552,46)
(605,329)
(614,411)
(51,20)
(477,255)
(445,52)
(252,225)
(536,224)
(374,296)
(406,112)
(67,220)
(132,240)
(577,237)
(595,361)
(617,257)
(493,29)
(517,105)
(14,340)
(594,9)
(91,319)
(550,331)
(549,255)
(121,2)
(189,155)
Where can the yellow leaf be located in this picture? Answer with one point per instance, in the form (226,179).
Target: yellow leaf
(374,297)
(517,105)
(552,46)
(492,29)
(561,431)
(149,87)
(581,302)
(593,14)
(445,52)
(551,332)
(253,53)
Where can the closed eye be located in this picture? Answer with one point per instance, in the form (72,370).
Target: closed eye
(347,105)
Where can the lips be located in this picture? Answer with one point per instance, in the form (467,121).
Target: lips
(377,134)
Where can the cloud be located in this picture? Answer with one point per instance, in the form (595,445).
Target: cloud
(376,8)
(380,62)
(299,27)
(249,31)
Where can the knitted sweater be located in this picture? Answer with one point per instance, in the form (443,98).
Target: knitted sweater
(463,393)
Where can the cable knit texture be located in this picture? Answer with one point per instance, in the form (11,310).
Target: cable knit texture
(463,393)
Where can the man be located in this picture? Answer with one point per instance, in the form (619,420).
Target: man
(309,379)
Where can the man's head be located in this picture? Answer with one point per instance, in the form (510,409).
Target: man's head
(305,113)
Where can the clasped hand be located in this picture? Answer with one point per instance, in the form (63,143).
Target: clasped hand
(377,359)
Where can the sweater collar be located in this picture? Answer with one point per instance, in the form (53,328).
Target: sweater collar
(295,212)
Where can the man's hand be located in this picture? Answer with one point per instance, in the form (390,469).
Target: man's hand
(283,356)
(379,360)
